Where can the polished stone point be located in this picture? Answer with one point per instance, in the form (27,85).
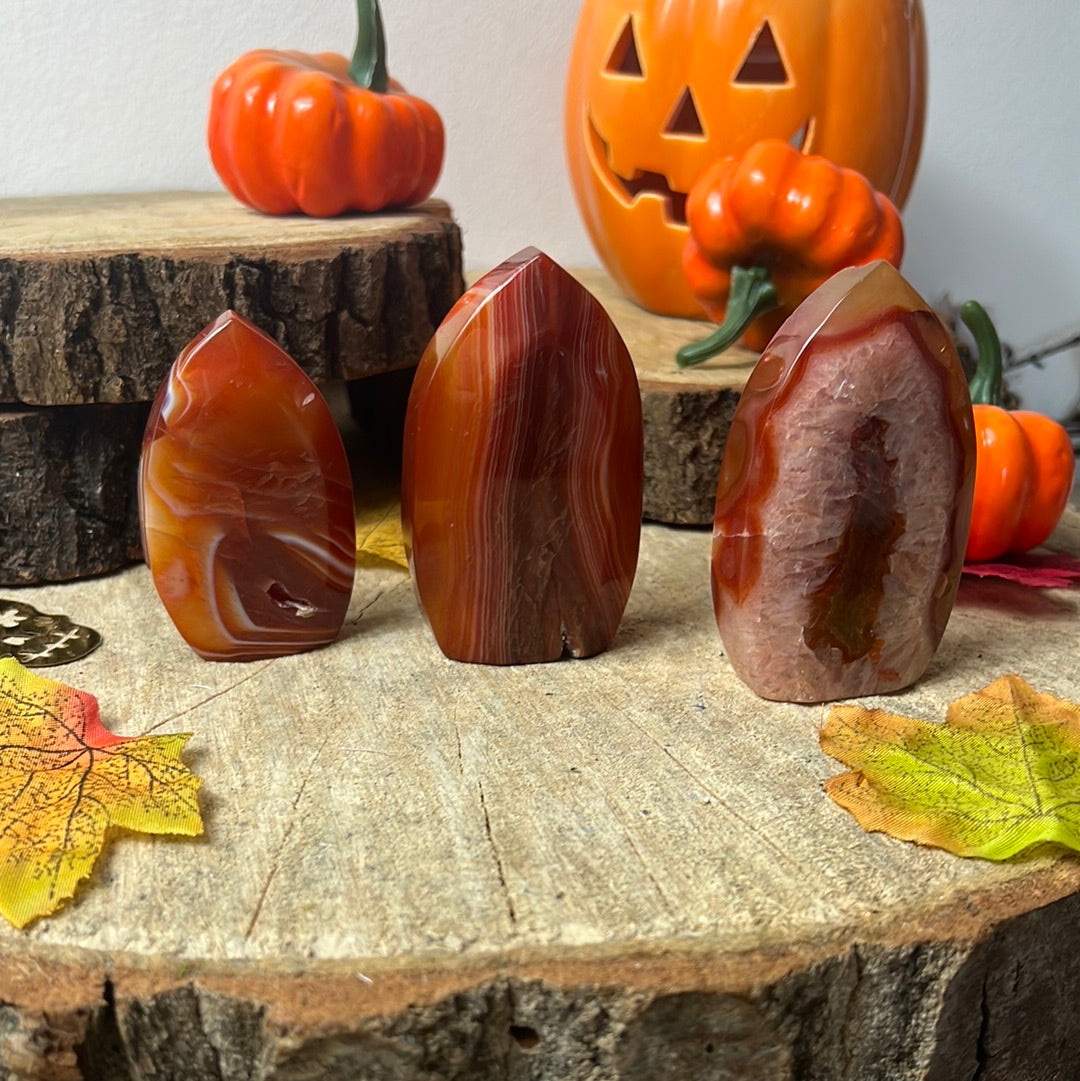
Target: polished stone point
(844,496)
(522,470)
(245,499)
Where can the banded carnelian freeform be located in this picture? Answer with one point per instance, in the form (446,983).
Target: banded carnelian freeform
(245,499)
(522,470)
(844,496)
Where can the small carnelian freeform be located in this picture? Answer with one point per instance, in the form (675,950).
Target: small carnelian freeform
(844,496)
(522,470)
(245,499)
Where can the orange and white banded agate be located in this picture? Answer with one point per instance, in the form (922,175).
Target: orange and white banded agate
(245,499)
(522,470)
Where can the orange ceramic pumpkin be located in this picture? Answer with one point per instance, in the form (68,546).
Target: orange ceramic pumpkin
(660,89)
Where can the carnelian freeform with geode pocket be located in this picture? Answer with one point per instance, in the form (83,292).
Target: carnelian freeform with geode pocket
(522,470)
(844,497)
(245,499)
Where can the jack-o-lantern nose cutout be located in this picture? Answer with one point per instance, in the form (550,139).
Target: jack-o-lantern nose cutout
(685,120)
(624,58)
(763,65)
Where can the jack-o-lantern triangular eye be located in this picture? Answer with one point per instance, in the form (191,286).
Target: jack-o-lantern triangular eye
(685,119)
(763,64)
(624,58)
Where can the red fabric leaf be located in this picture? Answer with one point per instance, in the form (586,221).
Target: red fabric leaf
(1039,570)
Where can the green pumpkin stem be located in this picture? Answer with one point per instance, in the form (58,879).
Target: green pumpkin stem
(985,386)
(751,294)
(368,65)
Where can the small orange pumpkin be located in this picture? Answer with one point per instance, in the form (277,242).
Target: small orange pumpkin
(660,89)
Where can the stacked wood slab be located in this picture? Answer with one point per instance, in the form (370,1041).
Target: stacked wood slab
(98,294)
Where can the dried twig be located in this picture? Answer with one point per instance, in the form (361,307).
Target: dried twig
(1038,355)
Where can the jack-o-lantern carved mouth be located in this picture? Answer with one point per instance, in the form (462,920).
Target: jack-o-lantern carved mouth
(641,183)
(644,182)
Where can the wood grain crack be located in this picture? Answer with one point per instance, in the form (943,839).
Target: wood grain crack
(205,1028)
(460,755)
(640,856)
(370,604)
(289,825)
(982,1051)
(253,674)
(499,869)
(379,595)
(780,854)
(849,1029)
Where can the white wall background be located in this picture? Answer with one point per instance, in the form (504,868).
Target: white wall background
(112,97)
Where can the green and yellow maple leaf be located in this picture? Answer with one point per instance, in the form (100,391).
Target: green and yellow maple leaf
(65,780)
(1001,774)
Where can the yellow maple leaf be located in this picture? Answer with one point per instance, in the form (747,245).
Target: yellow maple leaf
(378,528)
(65,780)
(1001,774)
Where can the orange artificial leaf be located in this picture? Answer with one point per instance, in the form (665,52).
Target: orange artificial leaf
(65,780)
(378,528)
(1000,775)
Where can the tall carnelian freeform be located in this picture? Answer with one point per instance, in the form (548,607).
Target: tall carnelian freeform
(844,496)
(245,499)
(658,90)
(522,470)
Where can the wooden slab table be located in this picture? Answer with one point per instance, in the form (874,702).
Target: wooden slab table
(620,868)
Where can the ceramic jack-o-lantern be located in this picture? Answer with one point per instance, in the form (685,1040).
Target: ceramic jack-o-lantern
(660,89)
